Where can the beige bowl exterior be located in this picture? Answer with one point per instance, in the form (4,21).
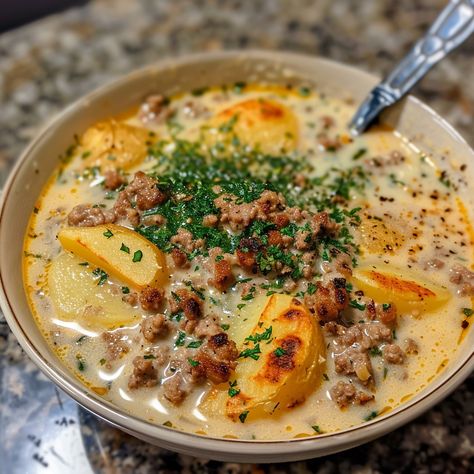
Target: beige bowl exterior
(412,118)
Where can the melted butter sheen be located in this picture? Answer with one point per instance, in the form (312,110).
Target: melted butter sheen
(423,222)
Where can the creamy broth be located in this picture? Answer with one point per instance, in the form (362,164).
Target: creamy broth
(400,213)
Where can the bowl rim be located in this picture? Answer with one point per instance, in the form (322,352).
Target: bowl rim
(175,438)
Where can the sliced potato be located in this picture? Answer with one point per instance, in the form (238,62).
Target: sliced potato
(76,296)
(121,252)
(379,237)
(407,290)
(259,123)
(289,362)
(113,144)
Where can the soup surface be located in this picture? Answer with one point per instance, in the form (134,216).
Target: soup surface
(230,262)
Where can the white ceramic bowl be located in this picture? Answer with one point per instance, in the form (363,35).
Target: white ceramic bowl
(412,118)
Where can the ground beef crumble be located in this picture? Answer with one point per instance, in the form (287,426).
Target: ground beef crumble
(393,354)
(216,359)
(153,327)
(188,302)
(144,374)
(329,300)
(113,179)
(116,344)
(151,299)
(464,278)
(345,393)
(86,215)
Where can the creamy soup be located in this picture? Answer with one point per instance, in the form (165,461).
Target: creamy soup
(230,262)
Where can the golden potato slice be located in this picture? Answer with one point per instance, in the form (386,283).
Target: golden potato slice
(113,144)
(280,364)
(379,237)
(259,123)
(121,252)
(407,290)
(77,296)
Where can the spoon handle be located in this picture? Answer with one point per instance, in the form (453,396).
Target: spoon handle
(454,25)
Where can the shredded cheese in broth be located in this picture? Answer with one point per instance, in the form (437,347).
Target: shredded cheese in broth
(231,263)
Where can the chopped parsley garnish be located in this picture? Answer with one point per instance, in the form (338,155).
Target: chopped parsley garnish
(444,179)
(317,429)
(225,327)
(232,390)
(385,372)
(81,339)
(108,233)
(279,351)
(355,304)
(239,87)
(467,312)
(304,91)
(371,416)
(375,351)
(250,295)
(359,153)
(194,344)
(228,126)
(197,292)
(243,416)
(193,363)
(149,356)
(101,275)
(258,337)
(193,177)
(102,361)
(180,339)
(175,296)
(137,256)
(124,248)
(253,353)
(326,377)
(125,290)
(395,180)
(240,306)
(386,306)
(81,365)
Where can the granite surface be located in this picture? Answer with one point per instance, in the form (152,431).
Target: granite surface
(46,65)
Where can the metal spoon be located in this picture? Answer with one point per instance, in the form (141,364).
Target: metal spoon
(454,25)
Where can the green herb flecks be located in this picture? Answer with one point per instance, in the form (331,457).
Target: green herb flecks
(194,344)
(375,352)
(101,276)
(243,416)
(193,362)
(371,416)
(233,391)
(355,304)
(137,256)
(253,353)
(263,336)
(124,248)
(279,352)
(180,339)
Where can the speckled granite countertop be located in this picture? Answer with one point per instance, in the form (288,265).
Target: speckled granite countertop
(46,65)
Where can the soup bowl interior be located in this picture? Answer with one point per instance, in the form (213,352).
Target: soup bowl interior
(411,118)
